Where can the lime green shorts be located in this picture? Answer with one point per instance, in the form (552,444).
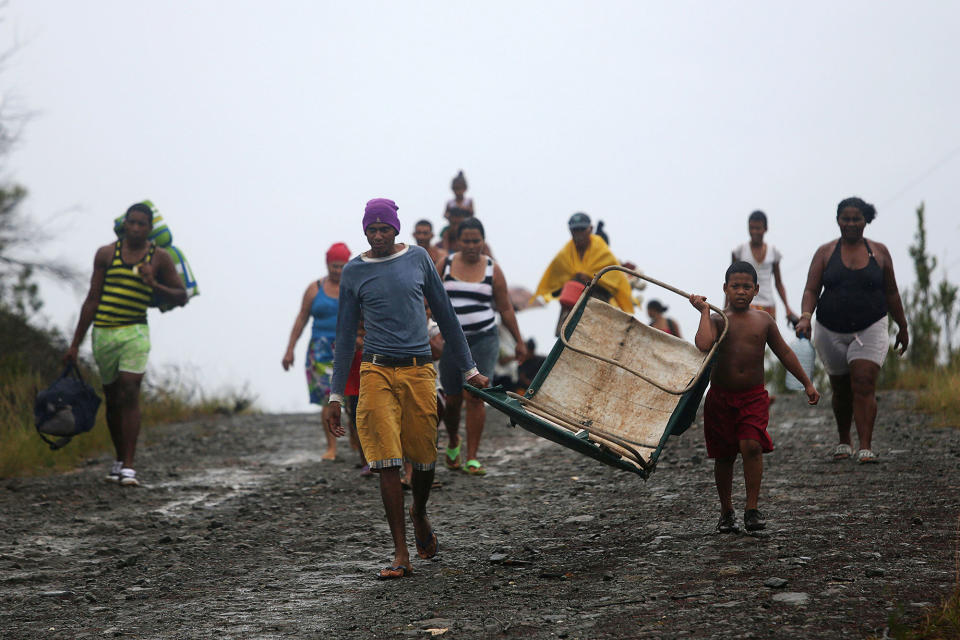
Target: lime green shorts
(119,349)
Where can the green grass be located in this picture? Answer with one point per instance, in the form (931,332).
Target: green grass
(938,391)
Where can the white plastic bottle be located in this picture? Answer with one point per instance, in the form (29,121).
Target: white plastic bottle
(806,355)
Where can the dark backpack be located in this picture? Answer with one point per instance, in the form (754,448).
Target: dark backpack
(66,408)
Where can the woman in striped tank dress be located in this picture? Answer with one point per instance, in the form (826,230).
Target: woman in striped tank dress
(478,290)
(127,274)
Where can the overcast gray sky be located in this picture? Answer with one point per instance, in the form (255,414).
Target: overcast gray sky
(261,129)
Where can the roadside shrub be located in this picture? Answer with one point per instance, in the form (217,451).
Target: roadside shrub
(938,391)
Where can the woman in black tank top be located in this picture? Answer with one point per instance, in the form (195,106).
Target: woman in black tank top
(852,287)
(852,299)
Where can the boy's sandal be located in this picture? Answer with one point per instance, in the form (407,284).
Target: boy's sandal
(865,456)
(474,468)
(842,452)
(452,457)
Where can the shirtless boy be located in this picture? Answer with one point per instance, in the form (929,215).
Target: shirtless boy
(736,410)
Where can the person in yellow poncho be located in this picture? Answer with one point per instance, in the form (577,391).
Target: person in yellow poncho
(579,260)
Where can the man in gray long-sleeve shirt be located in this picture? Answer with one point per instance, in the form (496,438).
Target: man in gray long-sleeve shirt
(397,413)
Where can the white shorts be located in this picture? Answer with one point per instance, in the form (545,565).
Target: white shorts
(838,350)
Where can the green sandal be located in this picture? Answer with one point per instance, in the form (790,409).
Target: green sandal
(452,457)
(474,468)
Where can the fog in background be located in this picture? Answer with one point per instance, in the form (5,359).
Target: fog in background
(261,129)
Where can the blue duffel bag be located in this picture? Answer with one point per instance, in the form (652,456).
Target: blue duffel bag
(66,408)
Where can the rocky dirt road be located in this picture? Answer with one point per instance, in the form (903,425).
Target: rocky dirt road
(242,532)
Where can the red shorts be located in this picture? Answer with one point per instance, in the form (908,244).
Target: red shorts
(732,416)
(353,378)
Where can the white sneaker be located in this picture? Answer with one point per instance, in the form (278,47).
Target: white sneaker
(128,478)
(114,474)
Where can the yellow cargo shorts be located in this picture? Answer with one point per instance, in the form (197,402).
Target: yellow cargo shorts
(397,415)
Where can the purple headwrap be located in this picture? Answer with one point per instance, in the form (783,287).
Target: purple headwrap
(382,210)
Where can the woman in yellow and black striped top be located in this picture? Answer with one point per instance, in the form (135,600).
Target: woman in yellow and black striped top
(126,275)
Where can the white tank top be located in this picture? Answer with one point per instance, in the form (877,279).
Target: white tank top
(764,272)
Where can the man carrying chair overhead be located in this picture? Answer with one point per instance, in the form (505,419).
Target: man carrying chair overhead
(397,413)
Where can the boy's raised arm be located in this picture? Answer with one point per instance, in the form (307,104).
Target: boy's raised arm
(707,330)
(789,359)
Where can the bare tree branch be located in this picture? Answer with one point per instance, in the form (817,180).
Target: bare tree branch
(19,238)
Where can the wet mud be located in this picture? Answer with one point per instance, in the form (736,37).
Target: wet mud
(241,531)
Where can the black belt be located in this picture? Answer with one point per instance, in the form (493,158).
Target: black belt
(390,361)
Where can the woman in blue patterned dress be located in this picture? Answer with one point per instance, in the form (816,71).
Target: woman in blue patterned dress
(320,301)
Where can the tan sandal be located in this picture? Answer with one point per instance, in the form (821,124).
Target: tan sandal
(842,452)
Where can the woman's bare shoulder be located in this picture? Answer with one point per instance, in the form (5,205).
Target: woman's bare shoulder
(878,246)
(881,252)
(827,247)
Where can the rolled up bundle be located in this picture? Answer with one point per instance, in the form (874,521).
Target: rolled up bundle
(186,276)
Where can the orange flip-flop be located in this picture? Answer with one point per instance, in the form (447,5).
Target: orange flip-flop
(395,572)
